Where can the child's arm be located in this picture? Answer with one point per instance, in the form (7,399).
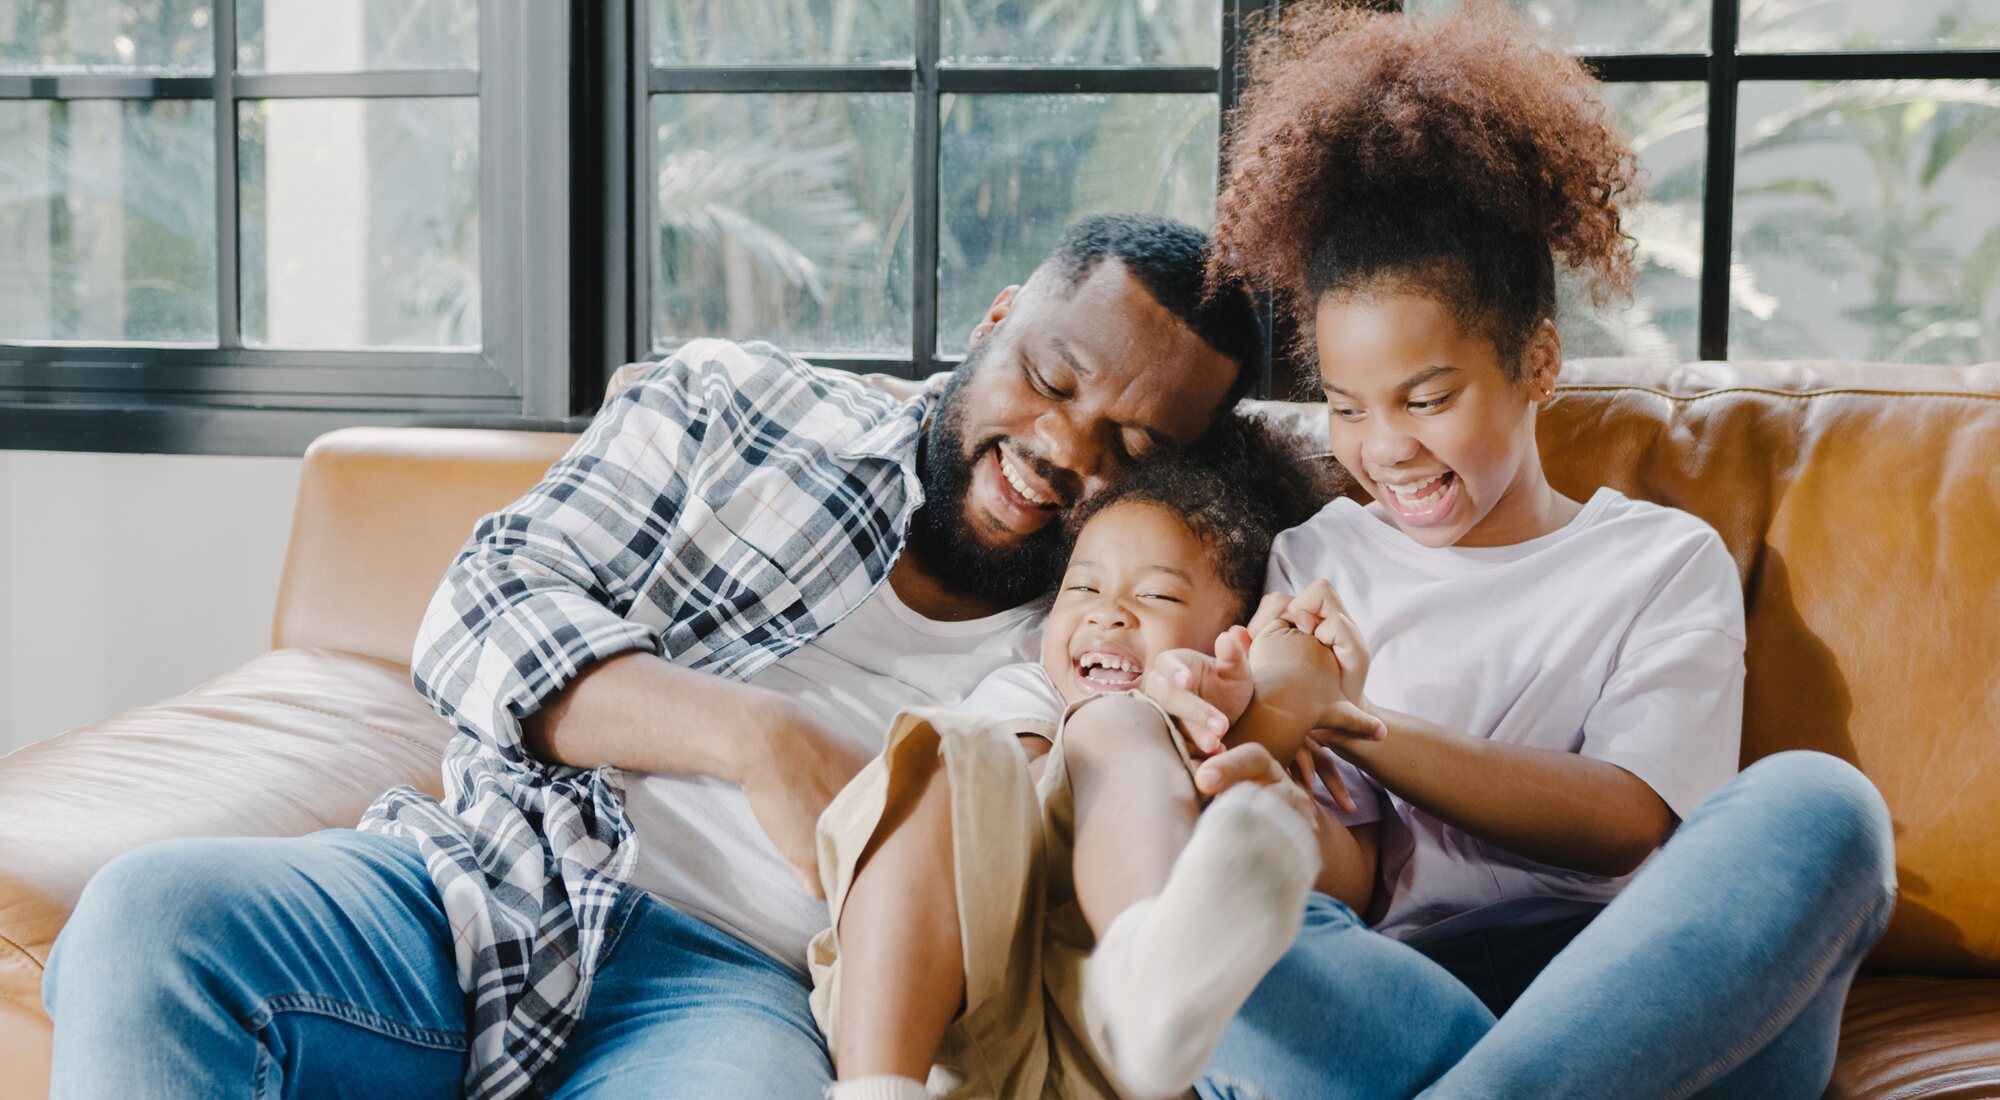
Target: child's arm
(1554,807)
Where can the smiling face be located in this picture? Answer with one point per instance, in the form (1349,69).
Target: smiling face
(1072,387)
(1428,420)
(1139,583)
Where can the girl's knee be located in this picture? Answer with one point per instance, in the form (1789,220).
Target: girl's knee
(1821,804)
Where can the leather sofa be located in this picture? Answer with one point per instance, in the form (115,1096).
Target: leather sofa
(1861,502)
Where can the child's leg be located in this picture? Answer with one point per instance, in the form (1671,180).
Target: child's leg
(1189,914)
(903,974)
(1135,805)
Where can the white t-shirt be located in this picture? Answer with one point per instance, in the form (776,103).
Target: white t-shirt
(700,848)
(1619,636)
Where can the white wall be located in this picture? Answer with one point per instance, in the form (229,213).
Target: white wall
(128,578)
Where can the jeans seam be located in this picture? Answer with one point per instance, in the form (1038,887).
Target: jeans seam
(1780,1019)
(319,1005)
(1239,1089)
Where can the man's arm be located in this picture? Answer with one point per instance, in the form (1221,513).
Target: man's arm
(638,712)
(533,616)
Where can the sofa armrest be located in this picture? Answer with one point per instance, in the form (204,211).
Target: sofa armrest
(381,513)
(292,742)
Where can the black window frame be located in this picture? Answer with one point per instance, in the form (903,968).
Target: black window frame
(565,163)
(626,323)
(231,399)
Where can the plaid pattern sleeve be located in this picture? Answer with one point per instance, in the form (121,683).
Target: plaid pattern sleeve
(720,511)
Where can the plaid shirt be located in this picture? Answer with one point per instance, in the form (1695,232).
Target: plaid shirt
(721,511)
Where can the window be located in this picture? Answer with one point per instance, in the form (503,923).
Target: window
(857,181)
(229,225)
(1820,176)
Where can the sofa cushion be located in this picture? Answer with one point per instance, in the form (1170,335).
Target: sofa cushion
(1932,1037)
(294,741)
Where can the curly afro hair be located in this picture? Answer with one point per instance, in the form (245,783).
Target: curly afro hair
(1235,490)
(1373,151)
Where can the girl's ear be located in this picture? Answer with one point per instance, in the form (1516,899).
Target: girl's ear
(1542,362)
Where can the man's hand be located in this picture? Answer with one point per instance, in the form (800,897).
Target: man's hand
(1205,694)
(794,767)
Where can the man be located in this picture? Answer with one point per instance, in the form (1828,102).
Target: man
(663,662)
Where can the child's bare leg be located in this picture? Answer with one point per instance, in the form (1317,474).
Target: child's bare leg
(902,967)
(1135,805)
(1189,914)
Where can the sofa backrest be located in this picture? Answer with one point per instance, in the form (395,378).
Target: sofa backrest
(381,513)
(1861,502)
(1862,505)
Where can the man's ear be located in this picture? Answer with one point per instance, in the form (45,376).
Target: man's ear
(1003,304)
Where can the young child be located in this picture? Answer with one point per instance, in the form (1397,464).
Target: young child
(1561,677)
(962,937)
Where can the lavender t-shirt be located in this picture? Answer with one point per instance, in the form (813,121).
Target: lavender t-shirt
(1619,636)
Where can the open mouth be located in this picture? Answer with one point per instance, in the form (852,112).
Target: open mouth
(1422,503)
(1024,491)
(1102,670)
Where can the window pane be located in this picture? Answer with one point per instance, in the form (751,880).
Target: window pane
(107,220)
(1089,32)
(1608,26)
(1015,170)
(1786,26)
(343,36)
(1865,226)
(785,218)
(61,36)
(739,32)
(1667,126)
(360,222)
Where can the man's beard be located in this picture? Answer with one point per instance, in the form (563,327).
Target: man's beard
(939,531)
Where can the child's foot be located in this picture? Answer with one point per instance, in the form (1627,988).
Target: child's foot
(878,1088)
(1171,971)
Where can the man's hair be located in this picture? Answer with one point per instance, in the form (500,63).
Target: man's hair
(1170,259)
(1235,490)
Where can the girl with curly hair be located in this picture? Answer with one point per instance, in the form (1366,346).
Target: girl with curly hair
(1576,894)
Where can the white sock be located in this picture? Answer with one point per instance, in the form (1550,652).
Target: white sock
(883,1087)
(1171,972)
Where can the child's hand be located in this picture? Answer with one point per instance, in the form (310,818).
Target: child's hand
(1310,664)
(1318,611)
(1205,694)
(1254,763)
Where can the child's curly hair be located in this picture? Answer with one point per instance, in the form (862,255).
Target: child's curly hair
(1236,489)
(1456,157)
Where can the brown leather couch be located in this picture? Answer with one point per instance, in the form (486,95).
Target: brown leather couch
(1862,504)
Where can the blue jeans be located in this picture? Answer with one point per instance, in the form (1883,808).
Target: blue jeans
(322,966)
(1720,971)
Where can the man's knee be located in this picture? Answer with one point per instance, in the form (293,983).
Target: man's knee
(141,912)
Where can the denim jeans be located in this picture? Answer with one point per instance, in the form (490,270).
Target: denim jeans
(1720,971)
(322,966)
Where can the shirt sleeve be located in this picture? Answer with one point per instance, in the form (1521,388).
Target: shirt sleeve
(540,591)
(1016,691)
(1671,711)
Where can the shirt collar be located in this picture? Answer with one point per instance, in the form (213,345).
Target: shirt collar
(895,436)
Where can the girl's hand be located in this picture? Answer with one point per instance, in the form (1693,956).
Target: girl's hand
(1318,611)
(1254,763)
(1205,694)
